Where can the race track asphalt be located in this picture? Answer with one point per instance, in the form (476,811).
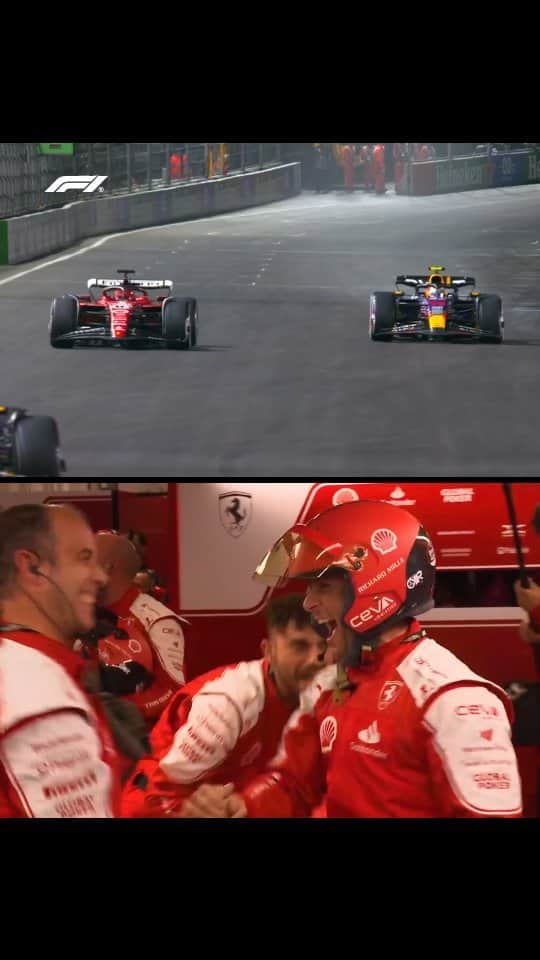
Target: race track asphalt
(285,381)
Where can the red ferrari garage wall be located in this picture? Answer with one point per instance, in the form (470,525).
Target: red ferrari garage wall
(148,514)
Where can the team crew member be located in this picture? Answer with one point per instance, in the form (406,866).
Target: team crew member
(378,168)
(226,726)
(139,641)
(529,599)
(175,166)
(405,729)
(57,754)
(366,159)
(347,157)
(400,156)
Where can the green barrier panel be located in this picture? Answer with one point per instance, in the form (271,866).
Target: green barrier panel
(4,251)
(55,149)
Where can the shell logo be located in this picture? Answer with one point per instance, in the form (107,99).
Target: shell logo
(328,734)
(384,541)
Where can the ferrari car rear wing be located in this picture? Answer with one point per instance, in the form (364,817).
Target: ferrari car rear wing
(143,284)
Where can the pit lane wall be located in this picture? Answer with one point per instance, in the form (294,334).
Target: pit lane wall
(470,173)
(36,235)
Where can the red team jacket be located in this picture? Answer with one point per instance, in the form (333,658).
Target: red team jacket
(57,757)
(417,734)
(223,727)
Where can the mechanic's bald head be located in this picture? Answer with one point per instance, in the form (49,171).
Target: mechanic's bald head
(121,562)
(41,530)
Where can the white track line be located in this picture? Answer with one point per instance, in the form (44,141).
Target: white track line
(67,256)
(112,236)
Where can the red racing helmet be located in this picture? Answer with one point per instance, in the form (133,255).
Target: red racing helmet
(385,553)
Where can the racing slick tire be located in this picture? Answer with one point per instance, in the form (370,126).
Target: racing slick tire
(36,444)
(178,322)
(64,319)
(382,316)
(490,318)
(194,323)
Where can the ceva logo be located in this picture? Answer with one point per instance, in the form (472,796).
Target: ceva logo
(379,607)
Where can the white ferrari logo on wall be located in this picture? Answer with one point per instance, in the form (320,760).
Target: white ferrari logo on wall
(235,512)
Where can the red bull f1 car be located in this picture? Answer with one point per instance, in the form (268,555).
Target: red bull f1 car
(441,307)
(122,313)
(29,445)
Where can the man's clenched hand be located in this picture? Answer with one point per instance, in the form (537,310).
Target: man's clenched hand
(214,802)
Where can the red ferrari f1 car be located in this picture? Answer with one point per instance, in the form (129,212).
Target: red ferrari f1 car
(122,313)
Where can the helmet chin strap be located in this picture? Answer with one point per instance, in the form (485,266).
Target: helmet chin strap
(360,645)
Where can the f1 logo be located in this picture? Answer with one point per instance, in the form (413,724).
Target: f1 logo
(86,184)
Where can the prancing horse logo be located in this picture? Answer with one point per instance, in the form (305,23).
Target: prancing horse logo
(235,512)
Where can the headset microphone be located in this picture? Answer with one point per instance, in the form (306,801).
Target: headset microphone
(324,633)
(39,573)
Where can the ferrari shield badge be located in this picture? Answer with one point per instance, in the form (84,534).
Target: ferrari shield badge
(389,693)
(235,511)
